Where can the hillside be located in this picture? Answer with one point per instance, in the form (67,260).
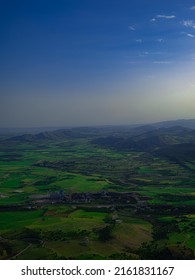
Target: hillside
(190,123)
(125,137)
(179,152)
(48,135)
(149,141)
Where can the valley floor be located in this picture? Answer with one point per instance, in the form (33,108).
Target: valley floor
(72,199)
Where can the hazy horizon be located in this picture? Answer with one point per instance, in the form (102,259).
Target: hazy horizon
(68,63)
(103,125)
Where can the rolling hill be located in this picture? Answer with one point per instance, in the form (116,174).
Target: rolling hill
(149,141)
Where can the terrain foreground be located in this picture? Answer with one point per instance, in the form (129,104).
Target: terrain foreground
(98,193)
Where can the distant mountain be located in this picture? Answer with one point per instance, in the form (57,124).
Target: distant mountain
(148,141)
(190,123)
(170,135)
(112,142)
(124,137)
(30,130)
(24,137)
(48,135)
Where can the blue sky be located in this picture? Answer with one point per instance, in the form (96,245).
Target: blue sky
(96,62)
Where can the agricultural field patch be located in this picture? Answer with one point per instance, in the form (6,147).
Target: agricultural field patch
(96,195)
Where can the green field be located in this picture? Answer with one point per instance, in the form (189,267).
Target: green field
(71,199)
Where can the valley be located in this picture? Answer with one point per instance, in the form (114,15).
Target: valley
(124,192)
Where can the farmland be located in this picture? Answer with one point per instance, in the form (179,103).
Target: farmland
(98,193)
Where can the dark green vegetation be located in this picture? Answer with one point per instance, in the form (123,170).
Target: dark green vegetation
(98,193)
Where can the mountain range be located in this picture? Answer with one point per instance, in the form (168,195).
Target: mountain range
(170,139)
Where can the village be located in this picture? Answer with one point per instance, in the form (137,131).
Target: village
(99,199)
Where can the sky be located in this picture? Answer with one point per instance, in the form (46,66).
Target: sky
(96,62)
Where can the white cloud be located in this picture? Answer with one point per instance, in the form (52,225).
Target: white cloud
(162,17)
(143,54)
(188,23)
(160,40)
(146,53)
(132,28)
(192,8)
(190,35)
(139,40)
(162,62)
(166,17)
